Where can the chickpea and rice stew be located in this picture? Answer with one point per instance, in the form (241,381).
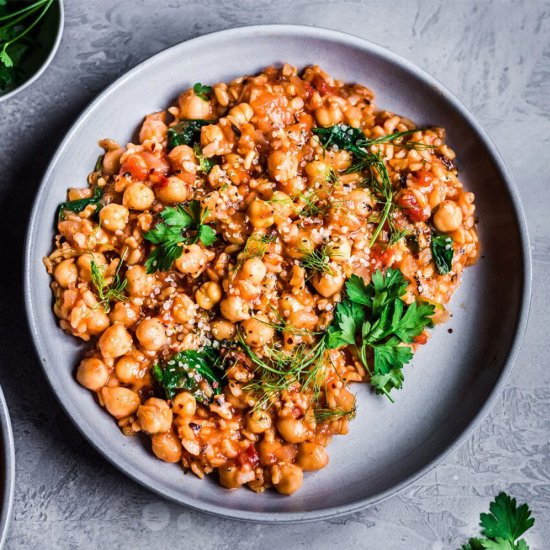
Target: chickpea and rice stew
(267,242)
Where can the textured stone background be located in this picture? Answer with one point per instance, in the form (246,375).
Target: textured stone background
(495,56)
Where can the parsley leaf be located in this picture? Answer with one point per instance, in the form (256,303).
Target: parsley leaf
(192,371)
(202,91)
(169,238)
(186,132)
(79,205)
(505,523)
(205,164)
(442,252)
(376,322)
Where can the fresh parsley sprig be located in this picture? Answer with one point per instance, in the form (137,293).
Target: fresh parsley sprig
(503,526)
(375,321)
(169,236)
(197,372)
(202,91)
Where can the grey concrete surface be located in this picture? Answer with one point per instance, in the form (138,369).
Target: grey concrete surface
(495,56)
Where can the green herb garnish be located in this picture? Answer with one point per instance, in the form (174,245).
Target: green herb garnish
(328,415)
(186,132)
(202,91)
(503,526)
(194,371)
(169,238)
(317,260)
(79,205)
(375,321)
(108,292)
(442,252)
(15,41)
(205,164)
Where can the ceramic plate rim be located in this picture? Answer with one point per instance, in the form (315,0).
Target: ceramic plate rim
(304,32)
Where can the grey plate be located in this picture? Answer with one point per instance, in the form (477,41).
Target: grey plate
(454,378)
(7,474)
(49,39)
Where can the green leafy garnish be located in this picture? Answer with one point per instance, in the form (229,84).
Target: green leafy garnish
(505,523)
(317,260)
(442,252)
(202,91)
(15,40)
(79,205)
(205,164)
(377,323)
(169,237)
(186,132)
(194,371)
(327,415)
(108,292)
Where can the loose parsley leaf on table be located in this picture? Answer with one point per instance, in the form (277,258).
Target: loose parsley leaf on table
(202,91)
(374,319)
(169,238)
(505,523)
(190,370)
(442,252)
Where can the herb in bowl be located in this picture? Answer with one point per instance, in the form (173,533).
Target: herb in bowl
(16,38)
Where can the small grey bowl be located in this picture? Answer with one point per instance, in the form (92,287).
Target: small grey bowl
(453,380)
(49,37)
(7,468)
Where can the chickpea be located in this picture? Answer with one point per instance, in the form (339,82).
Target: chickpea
(222,329)
(211,140)
(140,283)
(290,479)
(316,171)
(282,166)
(192,107)
(155,416)
(329,116)
(96,321)
(253,271)
(339,249)
(167,447)
(114,217)
(115,341)
(283,207)
(192,261)
(272,452)
(241,113)
(311,456)
(258,421)
(303,319)
(292,429)
(153,128)
(362,201)
(175,190)
(229,476)
(92,373)
(256,332)
(120,402)
(328,284)
(234,309)
(66,273)
(84,264)
(184,404)
(127,369)
(138,196)
(183,308)
(261,214)
(208,295)
(448,217)
(182,157)
(124,313)
(151,335)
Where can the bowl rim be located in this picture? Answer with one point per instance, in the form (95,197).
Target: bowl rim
(46,63)
(8,456)
(302,31)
